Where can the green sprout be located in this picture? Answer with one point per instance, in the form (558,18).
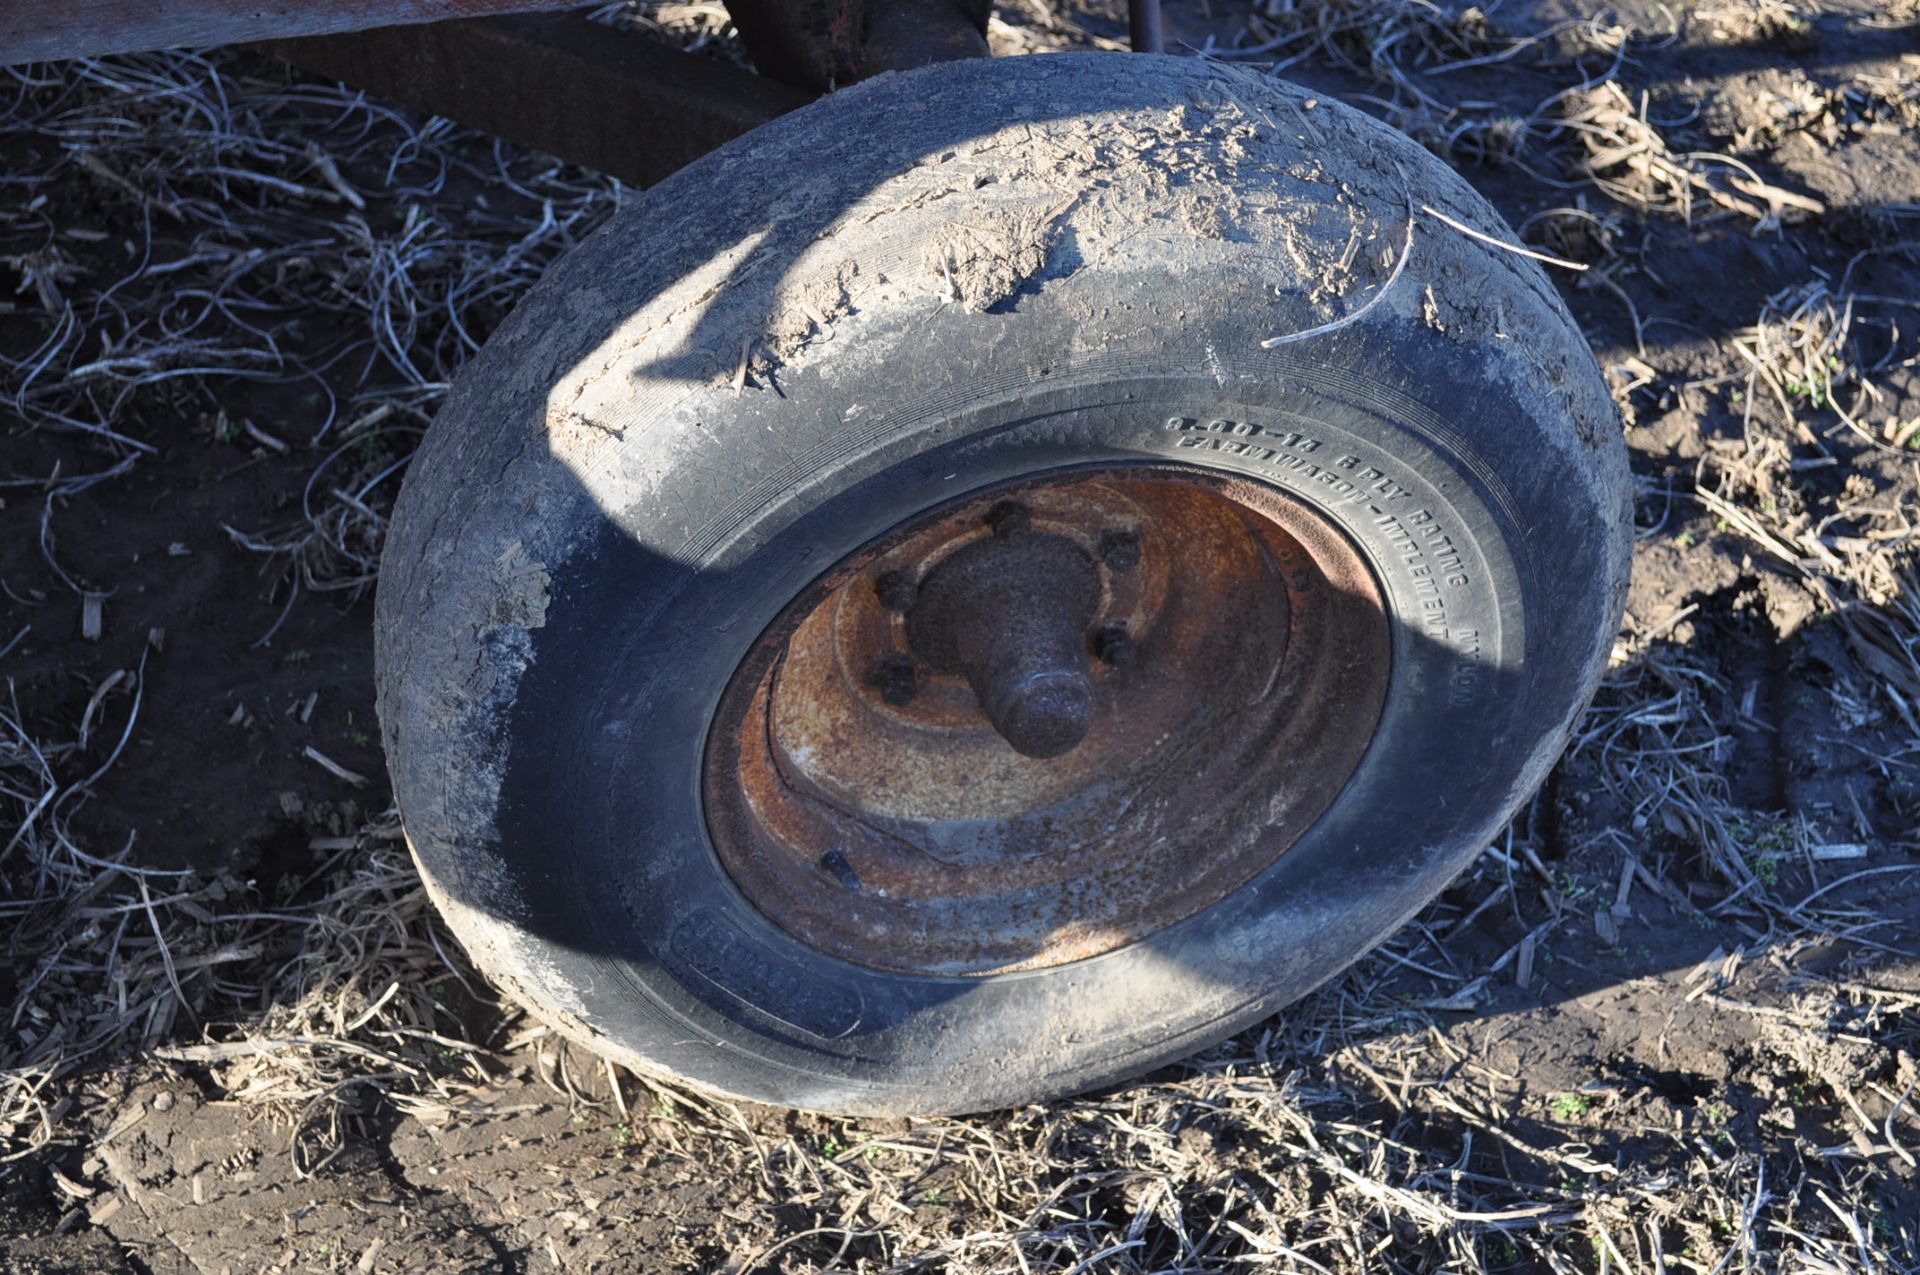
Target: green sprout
(1571,1106)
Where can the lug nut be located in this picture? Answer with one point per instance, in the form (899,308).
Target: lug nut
(897,589)
(1009,518)
(894,677)
(1113,644)
(1120,549)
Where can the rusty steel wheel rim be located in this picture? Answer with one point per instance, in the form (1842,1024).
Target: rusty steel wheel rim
(1046,720)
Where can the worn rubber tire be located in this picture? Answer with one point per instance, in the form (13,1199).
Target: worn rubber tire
(943,280)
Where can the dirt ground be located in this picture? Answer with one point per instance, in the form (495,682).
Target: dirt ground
(1670,1021)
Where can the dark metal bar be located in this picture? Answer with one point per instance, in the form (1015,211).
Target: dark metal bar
(608,99)
(35,30)
(1143,24)
(903,34)
(823,44)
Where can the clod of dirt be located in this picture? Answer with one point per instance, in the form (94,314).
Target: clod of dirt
(1820,1043)
(1788,603)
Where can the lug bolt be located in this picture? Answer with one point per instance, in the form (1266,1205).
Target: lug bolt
(1120,549)
(897,589)
(894,677)
(1113,644)
(1009,518)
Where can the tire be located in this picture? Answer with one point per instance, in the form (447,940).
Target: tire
(921,286)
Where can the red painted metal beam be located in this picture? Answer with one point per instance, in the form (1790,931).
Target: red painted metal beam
(35,30)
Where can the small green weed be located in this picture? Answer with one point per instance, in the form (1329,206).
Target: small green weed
(1571,1106)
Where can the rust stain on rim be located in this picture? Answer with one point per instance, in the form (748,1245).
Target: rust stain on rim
(863,802)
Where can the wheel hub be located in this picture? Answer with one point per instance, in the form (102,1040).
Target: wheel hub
(1046,720)
(1009,612)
